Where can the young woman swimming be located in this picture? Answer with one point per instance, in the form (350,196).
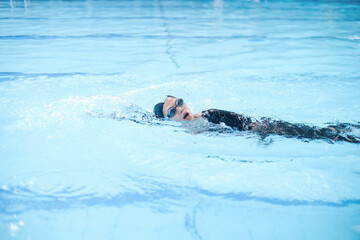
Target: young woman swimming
(177,110)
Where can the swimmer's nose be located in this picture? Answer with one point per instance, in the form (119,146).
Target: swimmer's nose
(180,109)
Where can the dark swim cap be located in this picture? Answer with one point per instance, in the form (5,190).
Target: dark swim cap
(158,110)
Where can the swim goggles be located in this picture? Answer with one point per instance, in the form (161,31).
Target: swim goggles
(172,111)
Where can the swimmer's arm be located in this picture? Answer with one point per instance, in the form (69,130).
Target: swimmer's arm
(198,115)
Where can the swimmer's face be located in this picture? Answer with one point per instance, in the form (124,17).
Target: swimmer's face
(183,112)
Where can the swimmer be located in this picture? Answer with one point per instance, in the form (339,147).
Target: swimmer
(177,110)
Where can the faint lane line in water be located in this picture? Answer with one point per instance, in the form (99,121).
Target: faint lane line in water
(21,199)
(233,159)
(262,19)
(190,73)
(168,45)
(169,36)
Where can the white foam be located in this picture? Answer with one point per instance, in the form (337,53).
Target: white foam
(13,229)
(72,108)
(31,182)
(355,38)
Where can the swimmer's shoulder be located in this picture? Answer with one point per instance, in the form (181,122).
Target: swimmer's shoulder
(198,115)
(204,113)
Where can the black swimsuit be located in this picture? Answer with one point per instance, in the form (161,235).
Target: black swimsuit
(231,119)
(268,126)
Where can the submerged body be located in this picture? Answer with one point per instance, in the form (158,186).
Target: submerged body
(177,110)
(267,126)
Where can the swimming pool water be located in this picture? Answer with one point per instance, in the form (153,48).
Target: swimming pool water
(82,158)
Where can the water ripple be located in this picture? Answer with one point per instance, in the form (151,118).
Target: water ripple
(167,31)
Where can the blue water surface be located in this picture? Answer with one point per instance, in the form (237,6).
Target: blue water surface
(82,157)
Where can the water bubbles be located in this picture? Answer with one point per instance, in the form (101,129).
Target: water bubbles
(357,228)
(14,227)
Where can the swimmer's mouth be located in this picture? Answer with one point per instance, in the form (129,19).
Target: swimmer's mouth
(186,115)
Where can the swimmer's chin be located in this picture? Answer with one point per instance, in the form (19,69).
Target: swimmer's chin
(192,117)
